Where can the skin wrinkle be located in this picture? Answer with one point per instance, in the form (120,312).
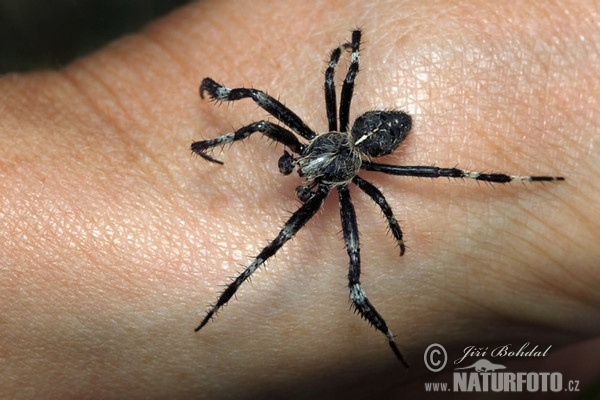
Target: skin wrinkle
(80,75)
(68,225)
(161,38)
(161,175)
(552,287)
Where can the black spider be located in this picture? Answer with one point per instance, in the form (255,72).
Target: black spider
(332,160)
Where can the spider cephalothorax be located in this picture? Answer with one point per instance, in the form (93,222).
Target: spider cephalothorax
(329,161)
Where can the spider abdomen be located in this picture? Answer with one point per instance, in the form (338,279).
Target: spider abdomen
(378,133)
(331,158)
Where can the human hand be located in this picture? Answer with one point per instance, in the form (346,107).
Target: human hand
(115,238)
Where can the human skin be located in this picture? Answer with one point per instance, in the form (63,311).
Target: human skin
(114,238)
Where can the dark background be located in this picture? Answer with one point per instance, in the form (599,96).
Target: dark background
(38,34)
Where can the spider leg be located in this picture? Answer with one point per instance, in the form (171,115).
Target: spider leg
(330,98)
(348,86)
(269,129)
(359,300)
(291,227)
(436,172)
(219,92)
(378,197)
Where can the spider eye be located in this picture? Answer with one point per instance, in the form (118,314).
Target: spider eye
(377,133)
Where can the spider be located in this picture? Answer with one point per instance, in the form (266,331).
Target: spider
(328,161)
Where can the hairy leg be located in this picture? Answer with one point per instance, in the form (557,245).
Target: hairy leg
(436,172)
(291,227)
(378,197)
(359,299)
(219,92)
(330,97)
(348,86)
(269,129)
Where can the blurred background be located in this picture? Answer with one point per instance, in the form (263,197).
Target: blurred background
(36,34)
